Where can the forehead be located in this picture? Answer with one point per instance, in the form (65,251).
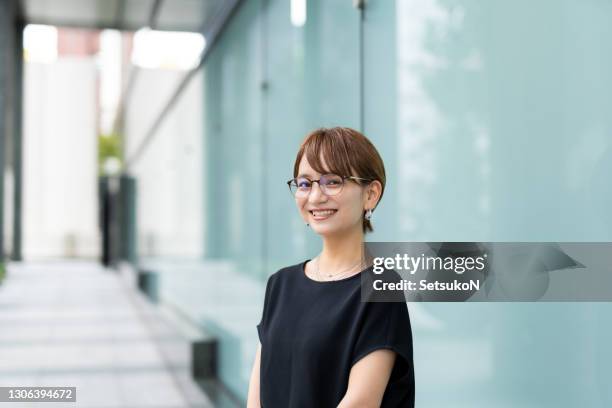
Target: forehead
(305,169)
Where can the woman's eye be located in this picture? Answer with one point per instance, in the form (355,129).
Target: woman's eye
(333,182)
(303,184)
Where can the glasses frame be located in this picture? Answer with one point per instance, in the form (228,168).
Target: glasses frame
(344,178)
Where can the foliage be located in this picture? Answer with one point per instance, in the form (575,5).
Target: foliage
(109,145)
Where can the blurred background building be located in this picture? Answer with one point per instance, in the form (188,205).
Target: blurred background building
(156,136)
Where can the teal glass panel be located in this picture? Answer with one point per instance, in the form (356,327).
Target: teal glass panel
(233,142)
(267,83)
(492,118)
(311,83)
(230,302)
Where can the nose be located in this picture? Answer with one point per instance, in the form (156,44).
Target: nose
(315,193)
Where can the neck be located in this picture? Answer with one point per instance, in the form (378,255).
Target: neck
(341,252)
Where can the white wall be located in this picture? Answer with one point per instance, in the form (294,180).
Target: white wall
(169,172)
(60,211)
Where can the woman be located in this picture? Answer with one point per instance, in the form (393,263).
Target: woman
(320,344)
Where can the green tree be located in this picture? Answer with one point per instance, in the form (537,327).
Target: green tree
(109,145)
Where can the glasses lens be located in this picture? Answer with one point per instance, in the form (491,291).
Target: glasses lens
(300,187)
(331,184)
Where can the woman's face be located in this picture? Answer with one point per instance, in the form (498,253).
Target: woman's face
(347,206)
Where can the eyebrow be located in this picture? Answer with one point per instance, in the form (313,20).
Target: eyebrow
(307,175)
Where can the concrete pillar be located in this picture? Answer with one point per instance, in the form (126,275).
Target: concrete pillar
(8,10)
(16,254)
(10,119)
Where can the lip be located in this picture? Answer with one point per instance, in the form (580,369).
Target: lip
(321,218)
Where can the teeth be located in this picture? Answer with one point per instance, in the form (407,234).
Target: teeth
(323,213)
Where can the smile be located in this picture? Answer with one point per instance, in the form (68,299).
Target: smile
(322,214)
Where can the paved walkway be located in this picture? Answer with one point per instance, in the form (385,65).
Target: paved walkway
(77,324)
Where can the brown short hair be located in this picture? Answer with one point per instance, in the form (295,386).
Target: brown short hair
(347,152)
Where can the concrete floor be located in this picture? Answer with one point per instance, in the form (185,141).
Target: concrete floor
(77,324)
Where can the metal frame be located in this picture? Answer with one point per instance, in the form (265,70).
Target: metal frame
(344,178)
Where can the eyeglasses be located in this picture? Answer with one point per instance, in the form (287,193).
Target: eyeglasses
(330,184)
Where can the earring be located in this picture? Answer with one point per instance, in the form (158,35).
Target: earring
(307,224)
(368,214)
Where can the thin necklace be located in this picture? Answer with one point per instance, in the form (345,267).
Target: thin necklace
(337,275)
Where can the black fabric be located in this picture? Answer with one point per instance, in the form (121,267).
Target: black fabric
(313,332)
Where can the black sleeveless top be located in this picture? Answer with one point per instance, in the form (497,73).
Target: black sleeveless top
(313,332)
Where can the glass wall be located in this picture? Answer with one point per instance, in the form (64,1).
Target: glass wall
(492,119)
(267,82)
(309,84)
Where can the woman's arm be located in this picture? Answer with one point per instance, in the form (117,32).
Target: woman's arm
(368,379)
(253,398)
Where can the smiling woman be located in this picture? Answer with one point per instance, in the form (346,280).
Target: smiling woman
(320,344)
(340,154)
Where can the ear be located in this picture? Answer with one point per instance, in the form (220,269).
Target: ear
(373,194)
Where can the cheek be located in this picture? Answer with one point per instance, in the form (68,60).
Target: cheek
(352,206)
(355,211)
(301,206)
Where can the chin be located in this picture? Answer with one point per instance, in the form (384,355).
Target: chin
(325,229)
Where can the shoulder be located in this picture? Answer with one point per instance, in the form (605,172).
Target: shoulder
(285,274)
